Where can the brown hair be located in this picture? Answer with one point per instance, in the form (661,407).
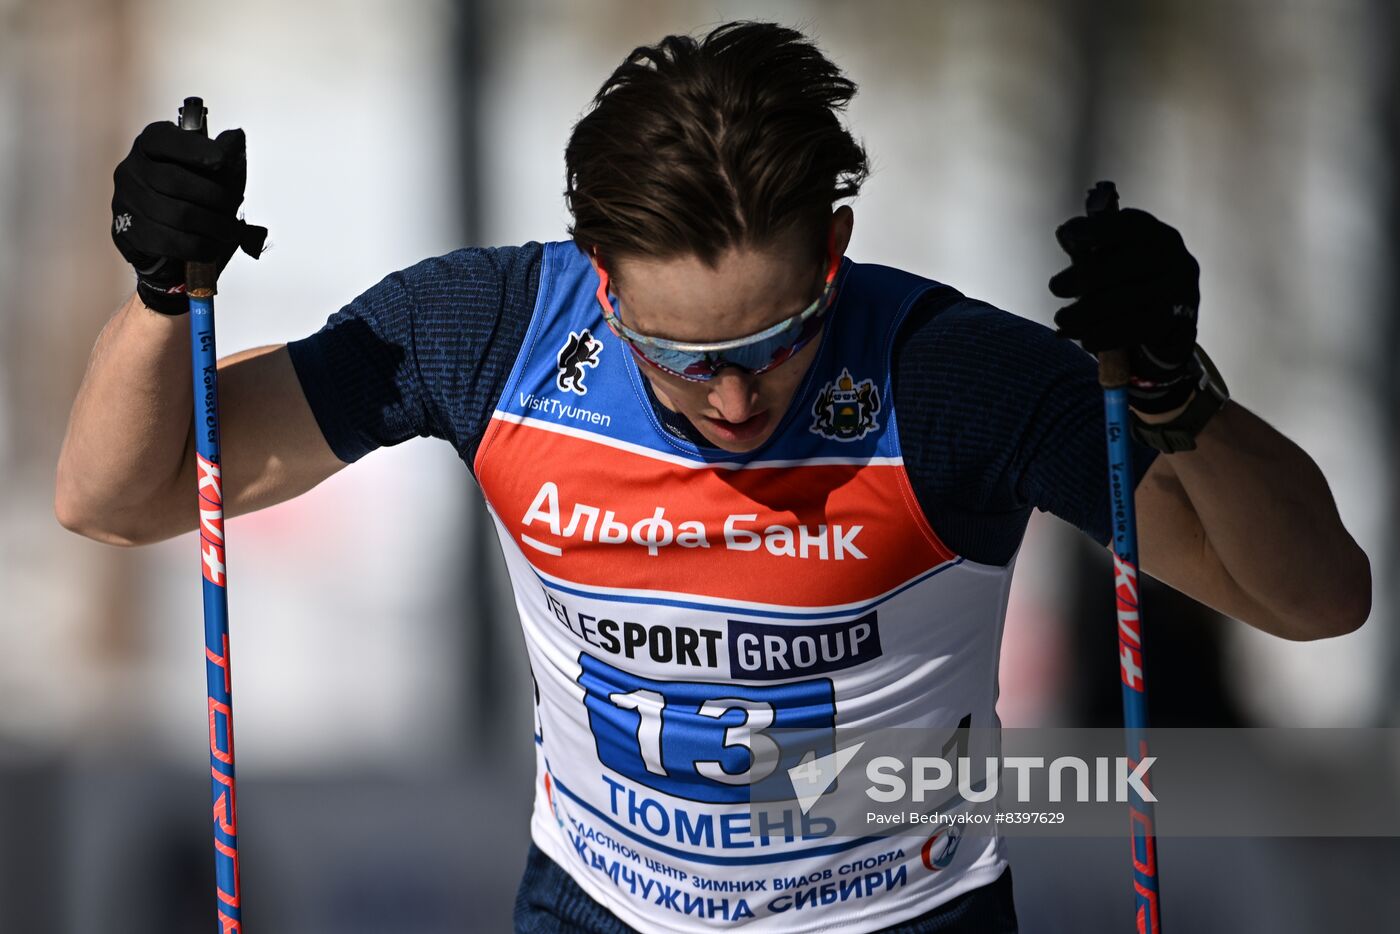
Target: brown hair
(692,147)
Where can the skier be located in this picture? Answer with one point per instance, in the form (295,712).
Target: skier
(742,482)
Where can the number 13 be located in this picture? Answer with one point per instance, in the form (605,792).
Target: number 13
(763,752)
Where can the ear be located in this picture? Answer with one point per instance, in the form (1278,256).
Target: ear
(843,221)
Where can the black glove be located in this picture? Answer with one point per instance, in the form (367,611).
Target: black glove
(1137,289)
(175,198)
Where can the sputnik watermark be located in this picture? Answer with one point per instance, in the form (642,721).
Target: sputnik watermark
(1057,782)
(921,778)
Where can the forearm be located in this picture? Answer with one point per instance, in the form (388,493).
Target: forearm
(129,431)
(1268,515)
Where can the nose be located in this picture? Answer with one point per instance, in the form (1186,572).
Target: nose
(734,394)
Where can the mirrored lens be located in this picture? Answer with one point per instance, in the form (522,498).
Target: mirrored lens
(756,358)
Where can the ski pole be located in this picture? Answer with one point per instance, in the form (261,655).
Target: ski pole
(1113,376)
(200,280)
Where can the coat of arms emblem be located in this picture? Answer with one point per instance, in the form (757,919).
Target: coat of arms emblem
(845,410)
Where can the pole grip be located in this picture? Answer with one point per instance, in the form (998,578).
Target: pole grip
(1113,364)
(201,278)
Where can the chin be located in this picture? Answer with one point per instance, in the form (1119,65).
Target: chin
(740,438)
(738,447)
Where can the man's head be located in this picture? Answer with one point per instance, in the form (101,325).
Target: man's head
(703,181)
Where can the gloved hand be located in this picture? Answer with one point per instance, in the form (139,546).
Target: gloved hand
(1137,289)
(175,198)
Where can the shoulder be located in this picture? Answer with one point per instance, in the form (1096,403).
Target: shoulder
(424,351)
(970,338)
(471,275)
(961,355)
(943,324)
(974,388)
(965,363)
(465,283)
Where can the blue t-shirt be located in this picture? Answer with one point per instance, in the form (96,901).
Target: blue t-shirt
(997,416)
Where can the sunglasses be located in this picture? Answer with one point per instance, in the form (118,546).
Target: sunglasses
(756,353)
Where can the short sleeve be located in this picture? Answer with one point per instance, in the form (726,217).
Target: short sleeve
(998,416)
(423,353)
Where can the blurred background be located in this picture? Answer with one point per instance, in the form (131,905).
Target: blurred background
(385,786)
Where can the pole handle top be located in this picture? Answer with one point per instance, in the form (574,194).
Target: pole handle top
(193,115)
(201,279)
(1113,364)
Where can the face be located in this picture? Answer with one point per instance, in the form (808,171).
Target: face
(747,290)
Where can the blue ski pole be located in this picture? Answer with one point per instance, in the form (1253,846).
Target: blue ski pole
(1113,376)
(200,280)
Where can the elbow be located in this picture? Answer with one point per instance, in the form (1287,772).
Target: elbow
(1347,605)
(1354,606)
(88,522)
(125,518)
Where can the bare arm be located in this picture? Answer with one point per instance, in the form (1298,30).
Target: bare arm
(126,471)
(1246,523)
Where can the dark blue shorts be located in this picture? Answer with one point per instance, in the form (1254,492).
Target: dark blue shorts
(550,902)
